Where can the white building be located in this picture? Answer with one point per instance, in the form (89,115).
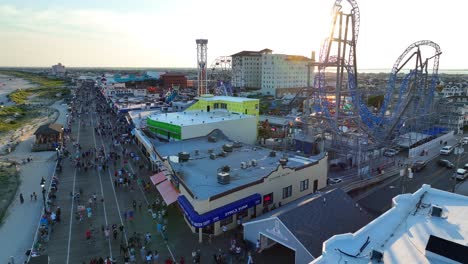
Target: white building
(247,69)
(267,72)
(453,113)
(58,69)
(455,89)
(428,226)
(283,71)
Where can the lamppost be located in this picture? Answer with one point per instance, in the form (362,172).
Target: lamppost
(43,194)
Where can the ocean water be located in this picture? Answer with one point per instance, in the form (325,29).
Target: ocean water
(441,71)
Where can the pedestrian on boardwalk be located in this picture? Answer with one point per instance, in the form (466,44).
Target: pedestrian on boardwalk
(250,259)
(21,198)
(168,261)
(115,232)
(143,253)
(140,204)
(35,196)
(134,205)
(31,196)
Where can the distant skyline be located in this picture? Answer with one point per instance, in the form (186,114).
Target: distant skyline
(162,33)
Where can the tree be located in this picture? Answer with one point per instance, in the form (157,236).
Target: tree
(375,101)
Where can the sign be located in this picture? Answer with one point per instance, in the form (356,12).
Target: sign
(217,214)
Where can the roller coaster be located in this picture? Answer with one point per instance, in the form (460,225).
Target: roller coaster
(342,108)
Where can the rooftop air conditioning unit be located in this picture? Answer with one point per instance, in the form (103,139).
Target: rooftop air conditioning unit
(253,163)
(377,256)
(283,161)
(243,165)
(197,152)
(436,211)
(212,156)
(212,139)
(227,147)
(225,168)
(273,153)
(222,154)
(223,177)
(184,156)
(210,151)
(237,144)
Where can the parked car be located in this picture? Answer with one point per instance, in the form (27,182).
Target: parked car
(461,174)
(465,140)
(447,150)
(446,163)
(390,152)
(418,165)
(332,181)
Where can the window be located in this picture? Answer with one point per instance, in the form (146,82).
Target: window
(287,192)
(268,199)
(216,105)
(256,106)
(304,185)
(243,214)
(226,221)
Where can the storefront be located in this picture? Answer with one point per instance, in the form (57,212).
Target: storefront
(208,221)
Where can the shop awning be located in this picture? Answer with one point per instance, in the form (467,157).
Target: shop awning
(168,192)
(158,178)
(217,214)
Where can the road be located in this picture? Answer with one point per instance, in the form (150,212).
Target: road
(378,199)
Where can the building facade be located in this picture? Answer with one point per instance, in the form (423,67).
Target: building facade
(58,69)
(174,79)
(265,71)
(247,69)
(283,71)
(453,113)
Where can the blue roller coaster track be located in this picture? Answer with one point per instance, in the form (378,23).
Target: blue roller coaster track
(416,88)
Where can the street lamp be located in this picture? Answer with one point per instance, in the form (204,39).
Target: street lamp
(43,194)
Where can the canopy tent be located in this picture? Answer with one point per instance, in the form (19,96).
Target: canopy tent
(168,192)
(158,178)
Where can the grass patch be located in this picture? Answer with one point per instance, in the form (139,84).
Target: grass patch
(9,182)
(19,96)
(14,117)
(48,88)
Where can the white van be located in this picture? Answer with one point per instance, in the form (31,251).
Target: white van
(461,174)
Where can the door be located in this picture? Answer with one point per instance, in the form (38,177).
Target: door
(315,185)
(207,108)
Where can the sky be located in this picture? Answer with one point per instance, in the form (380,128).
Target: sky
(162,33)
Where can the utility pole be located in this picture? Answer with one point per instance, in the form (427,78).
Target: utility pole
(458,151)
(406,174)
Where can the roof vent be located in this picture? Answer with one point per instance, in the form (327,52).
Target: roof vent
(197,152)
(225,168)
(237,144)
(273,153)
(376,256)
(184,156)
(243,165)
(210,151)
(223,177)
(212,156)
(222,154)
(227,147)
(212,139)
(283,161)
(436,211)
(253,163)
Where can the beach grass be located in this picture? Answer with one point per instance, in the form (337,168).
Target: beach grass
(9,182)
(14,117)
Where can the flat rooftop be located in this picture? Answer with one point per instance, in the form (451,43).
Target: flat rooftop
(402,233)
(195,117)
(200,172)
(227,98)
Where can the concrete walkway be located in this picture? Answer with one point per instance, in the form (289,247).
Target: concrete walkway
(21,221)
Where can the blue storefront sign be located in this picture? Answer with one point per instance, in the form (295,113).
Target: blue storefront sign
(217,214)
